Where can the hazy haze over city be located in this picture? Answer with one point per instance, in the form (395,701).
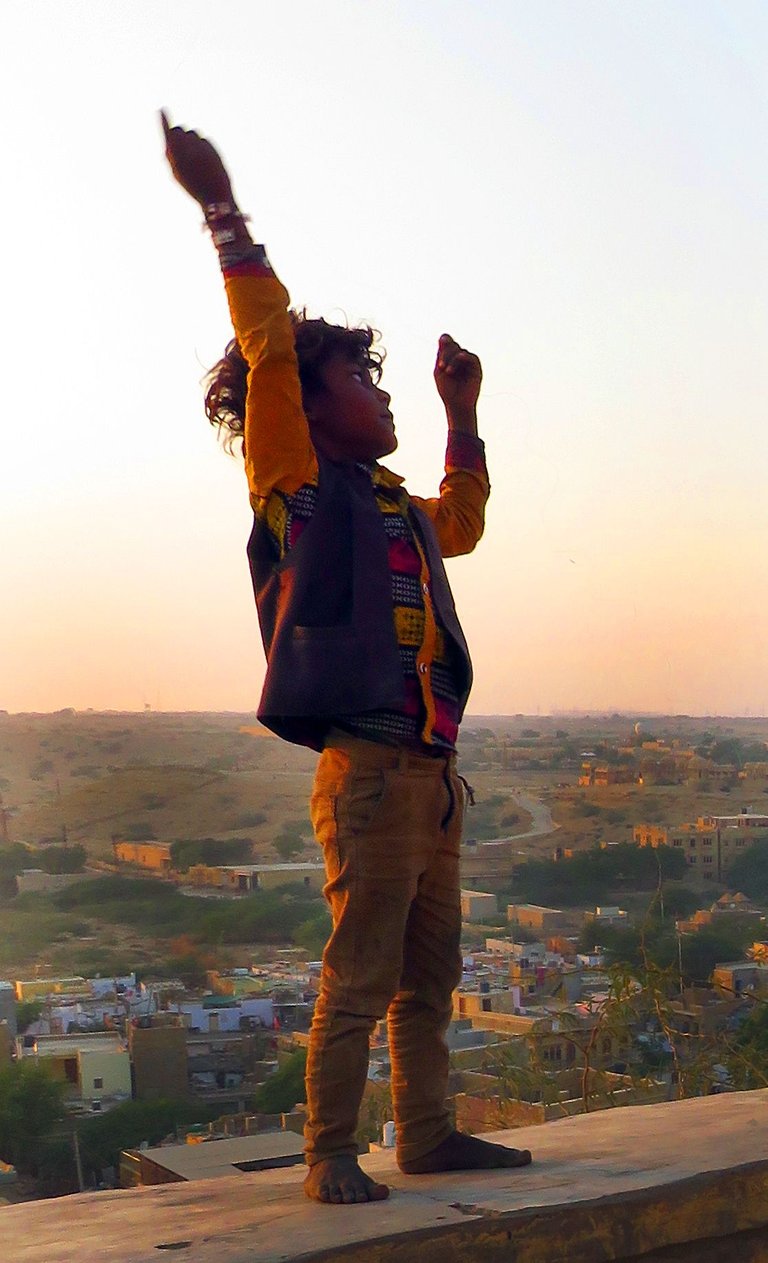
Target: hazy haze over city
(575,190)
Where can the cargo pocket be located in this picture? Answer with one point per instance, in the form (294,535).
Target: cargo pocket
(323,814)
(360,799)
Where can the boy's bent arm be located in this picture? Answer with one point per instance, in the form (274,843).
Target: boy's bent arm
(278,451)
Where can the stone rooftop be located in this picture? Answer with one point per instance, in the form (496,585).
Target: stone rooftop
(678,1181)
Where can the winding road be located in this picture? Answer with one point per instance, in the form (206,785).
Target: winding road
(541,819)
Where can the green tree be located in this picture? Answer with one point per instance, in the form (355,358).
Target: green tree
(750,1065)
(728,750)
(62,859)
(749,871)
(287,846)
(313,934)
(27,1012)
(185,852)
(125,1127)
(14,859)
(31,1106)
(284,1088)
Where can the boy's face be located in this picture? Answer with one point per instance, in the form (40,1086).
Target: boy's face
(350,417)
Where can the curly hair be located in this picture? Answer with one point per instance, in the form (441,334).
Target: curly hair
(316,342)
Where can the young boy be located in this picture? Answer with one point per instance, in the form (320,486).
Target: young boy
(367,663)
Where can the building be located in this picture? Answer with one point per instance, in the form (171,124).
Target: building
(8,1006)
(563,1039)
(172,1164)
(44,988)
(6,1045)
(174,1060)
(709,844)
(95,1068)
(544,921)
(224,1013)
(604,774)
(485,999)
(728,905)
(557,1094)
(607,916)
(701,1013)
(477,905)
(158,1053)
(155,856)
(740,977)
(36,881)
(700,770)
(745,819)
(244,879)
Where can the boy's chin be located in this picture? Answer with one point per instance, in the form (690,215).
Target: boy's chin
(388,446)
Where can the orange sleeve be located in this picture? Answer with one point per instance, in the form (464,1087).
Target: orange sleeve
(458,513)
(278,450)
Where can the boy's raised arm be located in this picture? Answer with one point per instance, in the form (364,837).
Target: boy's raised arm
(277,448)
(458,377)
(458,514)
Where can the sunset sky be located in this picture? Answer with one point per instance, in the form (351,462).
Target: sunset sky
(575,189)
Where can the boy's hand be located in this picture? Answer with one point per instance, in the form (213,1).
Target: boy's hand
(196,165)
(458,375)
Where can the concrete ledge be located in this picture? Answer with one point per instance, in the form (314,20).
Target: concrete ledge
(679,1181)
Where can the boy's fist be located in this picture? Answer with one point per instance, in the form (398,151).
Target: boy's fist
(458,375)
(196,165)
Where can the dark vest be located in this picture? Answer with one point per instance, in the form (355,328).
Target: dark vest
(326,614)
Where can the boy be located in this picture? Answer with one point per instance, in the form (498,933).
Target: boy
(367,663)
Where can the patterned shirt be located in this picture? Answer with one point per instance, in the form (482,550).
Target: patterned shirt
(283,472)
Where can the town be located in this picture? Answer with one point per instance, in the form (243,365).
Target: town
(163,923)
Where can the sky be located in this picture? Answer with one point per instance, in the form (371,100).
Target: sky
(575,189)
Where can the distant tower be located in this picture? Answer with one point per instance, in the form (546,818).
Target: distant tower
(638,730)
(4,814)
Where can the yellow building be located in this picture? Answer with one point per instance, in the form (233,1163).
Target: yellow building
(94,1067)
(492,1000)
(153,855)
(562,1041)
(604,774)
(205,875)
(41,988)
(246,878)
(699,842)
(545,921)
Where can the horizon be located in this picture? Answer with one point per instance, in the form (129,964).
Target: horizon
(609,713)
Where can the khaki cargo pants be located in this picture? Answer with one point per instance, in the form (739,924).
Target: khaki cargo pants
(389,822)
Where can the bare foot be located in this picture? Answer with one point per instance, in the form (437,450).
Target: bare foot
(341,1181)
(459,1152)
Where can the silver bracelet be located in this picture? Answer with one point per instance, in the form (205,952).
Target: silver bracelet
(222,236)
(215,211)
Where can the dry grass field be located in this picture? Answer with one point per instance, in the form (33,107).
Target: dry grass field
(176,776)
(95,776)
